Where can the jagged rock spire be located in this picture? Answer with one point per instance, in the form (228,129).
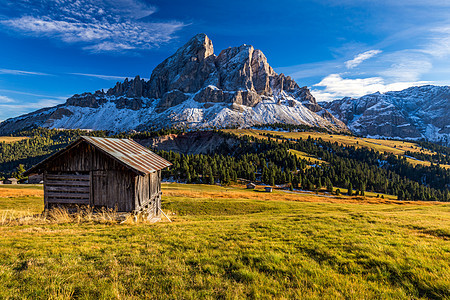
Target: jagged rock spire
(186,70)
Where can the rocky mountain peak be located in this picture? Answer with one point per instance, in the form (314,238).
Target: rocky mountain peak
(186,70)
(195,88)
(199,46)
(244,68)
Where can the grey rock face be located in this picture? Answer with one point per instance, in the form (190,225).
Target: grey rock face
(186,70)
(170,99)
(242,70)
(87,99)
(136,87)
(414,113)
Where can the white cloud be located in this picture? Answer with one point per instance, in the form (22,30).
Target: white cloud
(20,72)
(12,107)
(439,42)
(5,99)
(98,26)
(424,62)
(335,87)
(406,65)
(358,59)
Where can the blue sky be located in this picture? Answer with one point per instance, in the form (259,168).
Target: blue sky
(51,50)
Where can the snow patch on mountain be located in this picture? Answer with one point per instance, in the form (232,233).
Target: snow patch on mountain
(414,113)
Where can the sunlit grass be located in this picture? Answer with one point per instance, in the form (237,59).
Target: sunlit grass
(306,156)
(229,242)
(12,139)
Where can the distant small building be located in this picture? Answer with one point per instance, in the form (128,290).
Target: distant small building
(268,189)
(10,181)
(35,179)
(103,172)
(251,186)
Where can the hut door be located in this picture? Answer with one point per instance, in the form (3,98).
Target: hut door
(99,188)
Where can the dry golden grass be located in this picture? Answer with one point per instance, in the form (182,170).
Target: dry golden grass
(390,146)
(15,192)
(63,216)
(306,156)
(240,192)
(12,139)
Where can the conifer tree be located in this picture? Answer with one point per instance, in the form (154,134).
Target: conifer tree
(350,189)
(363,188)
(271,179)
(210,175)
(329,185)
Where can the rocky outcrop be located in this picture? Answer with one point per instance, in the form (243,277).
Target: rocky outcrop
(135,88)
(414,113)
(187,70)
(198,142)
(87,99)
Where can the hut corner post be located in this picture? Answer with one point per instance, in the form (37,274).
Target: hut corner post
(45,191)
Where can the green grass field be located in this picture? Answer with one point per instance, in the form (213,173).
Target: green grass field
(232,243)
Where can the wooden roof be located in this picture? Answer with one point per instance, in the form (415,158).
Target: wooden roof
(126,151)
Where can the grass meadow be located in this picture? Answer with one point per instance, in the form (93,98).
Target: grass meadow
(229,243)
(11,139)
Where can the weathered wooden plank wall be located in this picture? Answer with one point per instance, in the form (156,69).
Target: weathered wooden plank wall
(85,175)
(113,189)
(148,192)
(67,188)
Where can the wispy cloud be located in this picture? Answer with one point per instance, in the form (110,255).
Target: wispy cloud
(21,72)
(334,87)
(358,59)
(12,107)
(5,99)
(98,26)
(105,77)
(421,63)
(405,65)
(34,95)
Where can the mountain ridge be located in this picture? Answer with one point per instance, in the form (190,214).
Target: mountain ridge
(192,88)
(415,113)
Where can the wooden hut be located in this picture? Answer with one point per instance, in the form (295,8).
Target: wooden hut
(268,189)
(103,172)
(251,186)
